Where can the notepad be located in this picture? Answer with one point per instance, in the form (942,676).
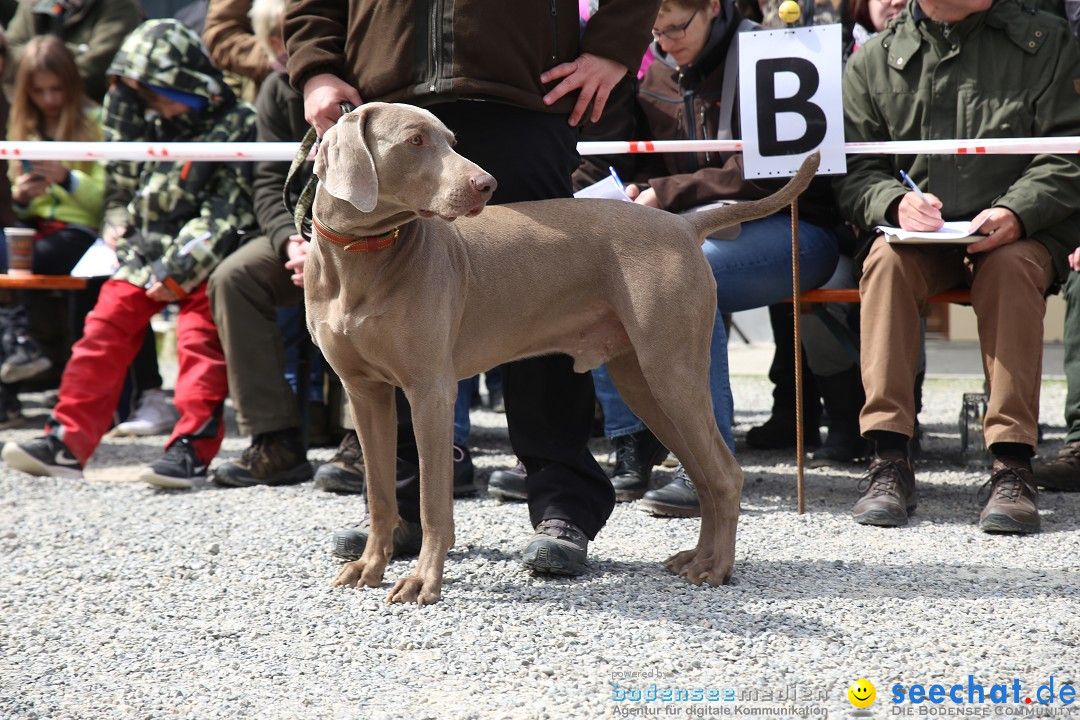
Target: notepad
(954,233)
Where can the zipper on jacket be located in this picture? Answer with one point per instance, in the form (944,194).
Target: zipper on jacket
(436,33)
(554,31)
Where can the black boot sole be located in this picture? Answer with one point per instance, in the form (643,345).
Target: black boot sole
(665,510)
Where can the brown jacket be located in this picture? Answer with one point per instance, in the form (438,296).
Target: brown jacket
(230,41)
(424,51)
(684,104)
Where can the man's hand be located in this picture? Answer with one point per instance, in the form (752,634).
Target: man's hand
(642,197)
(159,292)
(1000,226)
(917,215)
(296,249)
(593,75)
(323,94)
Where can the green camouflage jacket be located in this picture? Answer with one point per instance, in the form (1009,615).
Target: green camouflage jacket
(182,218)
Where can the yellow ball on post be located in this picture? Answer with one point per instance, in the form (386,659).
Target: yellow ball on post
(789,12)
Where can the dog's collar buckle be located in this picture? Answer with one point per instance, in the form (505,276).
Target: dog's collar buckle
(357,243)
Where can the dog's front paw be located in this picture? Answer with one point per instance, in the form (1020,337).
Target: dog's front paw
(416,589)
(698,567)
(360,572)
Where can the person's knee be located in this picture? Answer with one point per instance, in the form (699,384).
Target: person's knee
(1022,263)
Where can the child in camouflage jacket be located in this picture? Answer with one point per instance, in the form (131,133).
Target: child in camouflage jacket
(171,223)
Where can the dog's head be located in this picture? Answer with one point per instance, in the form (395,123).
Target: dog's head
(399,157)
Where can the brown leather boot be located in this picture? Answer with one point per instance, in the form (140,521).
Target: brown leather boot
(1062,474)
(888,492)
(1013,506)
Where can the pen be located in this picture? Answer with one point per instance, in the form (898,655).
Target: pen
(915,187)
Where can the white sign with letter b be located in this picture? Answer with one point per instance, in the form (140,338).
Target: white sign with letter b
(790,100)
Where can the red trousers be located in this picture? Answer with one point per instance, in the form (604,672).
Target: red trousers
(94,376)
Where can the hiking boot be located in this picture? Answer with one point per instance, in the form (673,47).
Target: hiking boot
(635,457)
(1013,505)
(676,499)
(47,456)
(178,469)
(778,433)
(1064,472)
(22,359)
(344,473)
(557,547)
(349,543)
(508,484)
(888,490)
(273,458)
(153,416)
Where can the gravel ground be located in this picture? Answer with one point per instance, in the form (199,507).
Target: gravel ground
(119,601)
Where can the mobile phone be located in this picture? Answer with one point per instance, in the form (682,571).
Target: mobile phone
(28,167)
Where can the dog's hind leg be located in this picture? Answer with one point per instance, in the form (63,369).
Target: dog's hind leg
(433,421)
(375,417)
(674,402)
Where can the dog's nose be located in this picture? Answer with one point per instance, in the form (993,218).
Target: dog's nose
(484,183)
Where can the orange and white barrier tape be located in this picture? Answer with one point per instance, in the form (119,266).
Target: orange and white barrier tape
(282,151)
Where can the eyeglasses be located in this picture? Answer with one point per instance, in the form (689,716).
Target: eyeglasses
(675,32)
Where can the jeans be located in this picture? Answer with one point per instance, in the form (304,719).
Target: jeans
(751,270)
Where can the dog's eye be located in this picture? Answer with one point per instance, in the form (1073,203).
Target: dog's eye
(416,140)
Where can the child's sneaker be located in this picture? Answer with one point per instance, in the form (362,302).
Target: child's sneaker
(178,469)
(153,416)
(47,457)
(24,360)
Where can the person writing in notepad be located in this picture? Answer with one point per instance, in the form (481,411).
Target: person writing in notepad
(961,69)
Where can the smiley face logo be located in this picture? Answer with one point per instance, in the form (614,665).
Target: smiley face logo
(862,693)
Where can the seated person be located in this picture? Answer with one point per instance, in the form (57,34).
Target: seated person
(174,222)
(694,40)
(63,201)
(999,68)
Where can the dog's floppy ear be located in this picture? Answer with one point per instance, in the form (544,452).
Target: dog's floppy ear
(344,164)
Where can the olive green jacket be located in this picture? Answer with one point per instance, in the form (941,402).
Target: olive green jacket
(1011,71)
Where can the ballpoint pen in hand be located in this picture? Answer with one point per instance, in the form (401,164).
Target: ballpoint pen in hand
(914,187)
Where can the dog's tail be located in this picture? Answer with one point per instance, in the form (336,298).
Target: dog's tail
(707,222)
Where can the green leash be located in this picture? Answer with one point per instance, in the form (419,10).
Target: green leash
(302,212)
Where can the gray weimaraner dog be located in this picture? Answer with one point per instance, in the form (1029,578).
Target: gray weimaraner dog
(398,294)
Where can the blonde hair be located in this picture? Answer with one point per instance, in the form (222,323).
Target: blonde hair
(266,22)
(47,53)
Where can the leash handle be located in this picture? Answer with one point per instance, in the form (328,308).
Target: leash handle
(302,212)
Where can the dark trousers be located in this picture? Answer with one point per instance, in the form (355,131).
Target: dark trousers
(549,407)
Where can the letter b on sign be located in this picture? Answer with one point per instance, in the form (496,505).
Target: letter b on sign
(770,106)
(789,100)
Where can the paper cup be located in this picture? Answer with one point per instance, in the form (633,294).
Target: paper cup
(20,250)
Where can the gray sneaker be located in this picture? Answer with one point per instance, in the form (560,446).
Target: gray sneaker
(557,547)
(349,543)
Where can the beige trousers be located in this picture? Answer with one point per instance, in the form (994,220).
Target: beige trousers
(1008,287)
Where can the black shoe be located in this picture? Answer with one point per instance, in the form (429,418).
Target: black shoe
(349,543)
(676,499)
(10,408)
(778,433)
(344,473)
(274,458)
(495,400)
(22,359)
(635,457)
(46,456)
(178,469)
(464,472)
(557,547)
(888,492)
(508,484)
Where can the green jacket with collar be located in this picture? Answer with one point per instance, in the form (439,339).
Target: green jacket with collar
(1010,71)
